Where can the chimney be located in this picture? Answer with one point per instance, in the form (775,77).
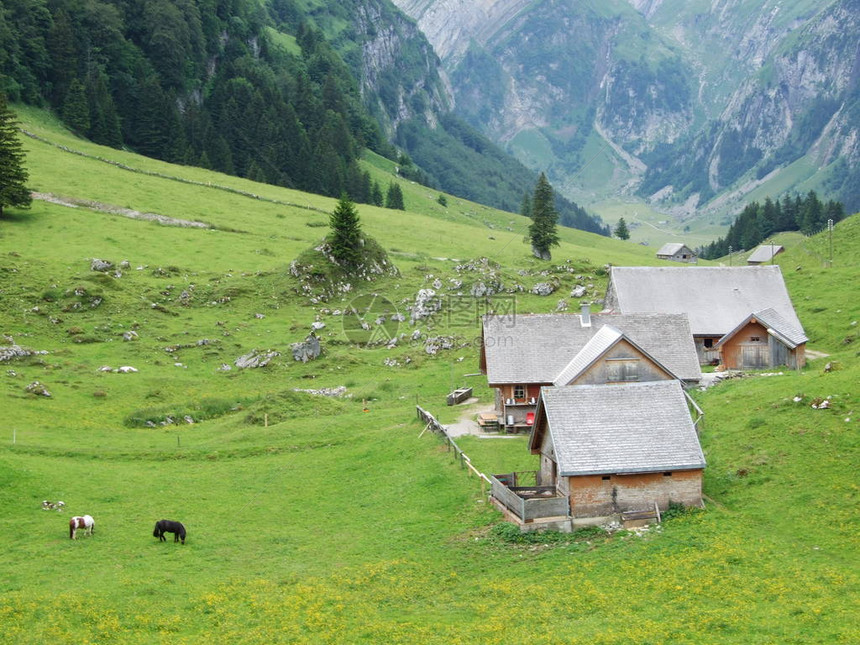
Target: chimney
(586,315)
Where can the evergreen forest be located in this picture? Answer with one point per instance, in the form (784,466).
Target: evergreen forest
(253,89)
(807,214)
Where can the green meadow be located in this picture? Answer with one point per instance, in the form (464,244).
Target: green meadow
(335,519)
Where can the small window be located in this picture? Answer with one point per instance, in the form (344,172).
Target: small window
(519,392)
(621,370)
(709,343)
(606,478)
(667,474)
(755,339)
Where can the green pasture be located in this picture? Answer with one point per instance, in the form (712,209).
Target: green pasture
(315,519)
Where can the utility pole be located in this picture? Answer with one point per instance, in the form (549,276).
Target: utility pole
(730,255)
(830,232)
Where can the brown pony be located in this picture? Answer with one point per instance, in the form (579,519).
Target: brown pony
(85,522)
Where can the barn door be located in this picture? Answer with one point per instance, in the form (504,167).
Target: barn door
(754,356)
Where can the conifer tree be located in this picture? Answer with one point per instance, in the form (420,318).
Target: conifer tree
(542,231)
(76,111)
(376,197)
(394,198)
(345,238)
(13,175)
(621,231)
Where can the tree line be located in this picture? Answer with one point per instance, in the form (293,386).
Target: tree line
(196,82)
(807,214)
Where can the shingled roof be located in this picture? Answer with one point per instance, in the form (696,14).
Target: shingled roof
(715,299)
(611,429)
(764,253)
(535,348)
(671,248)
(776,326)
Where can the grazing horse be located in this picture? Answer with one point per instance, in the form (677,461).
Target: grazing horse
(169,526)
(85,522)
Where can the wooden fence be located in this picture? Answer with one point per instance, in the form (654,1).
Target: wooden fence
(432,424)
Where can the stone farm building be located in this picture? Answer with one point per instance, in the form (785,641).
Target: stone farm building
(520,355)
(740,316)
(677,252)
(606,451)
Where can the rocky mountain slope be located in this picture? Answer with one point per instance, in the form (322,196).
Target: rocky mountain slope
(691,104)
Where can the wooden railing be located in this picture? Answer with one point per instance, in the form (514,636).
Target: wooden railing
(432,424)
(527,502)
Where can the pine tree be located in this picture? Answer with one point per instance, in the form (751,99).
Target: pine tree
(621,231)
(394,198)
(345,238)
(13,175)
(376,197)
(526,205)
(542,231)
(76,111)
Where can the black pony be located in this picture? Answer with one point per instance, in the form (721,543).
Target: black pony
(169,526)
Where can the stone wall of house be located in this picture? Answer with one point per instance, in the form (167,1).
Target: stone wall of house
(601,495)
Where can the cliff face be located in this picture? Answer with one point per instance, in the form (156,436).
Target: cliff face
(709,98)
(398,70)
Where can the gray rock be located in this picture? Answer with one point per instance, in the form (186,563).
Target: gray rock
(255,358)
(38,389)
(308,350)
(543,289)
(101,265)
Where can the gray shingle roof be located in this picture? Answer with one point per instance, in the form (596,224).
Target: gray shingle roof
(605,338)
(633,428)
(716,299)
(535,348)
(670,248)
(776,326)
(764,253)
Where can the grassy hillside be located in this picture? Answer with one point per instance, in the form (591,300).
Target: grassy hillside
(316,519)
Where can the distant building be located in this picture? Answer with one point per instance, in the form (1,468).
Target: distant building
(677,252)
(764,253)
(740,316)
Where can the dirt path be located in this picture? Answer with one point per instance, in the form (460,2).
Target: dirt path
(72,202)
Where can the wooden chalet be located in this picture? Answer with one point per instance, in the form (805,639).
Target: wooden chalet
(522,354)
(607,451)
(677,252)
(718,301)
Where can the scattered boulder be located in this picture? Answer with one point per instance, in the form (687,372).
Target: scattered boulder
(102,266)
(125,369)
(338,391)
(436,343)
(578,291)
(308,350)
(37,389)
(543,289)
(129,335)
(255,358)
(13,351)
(426,304)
